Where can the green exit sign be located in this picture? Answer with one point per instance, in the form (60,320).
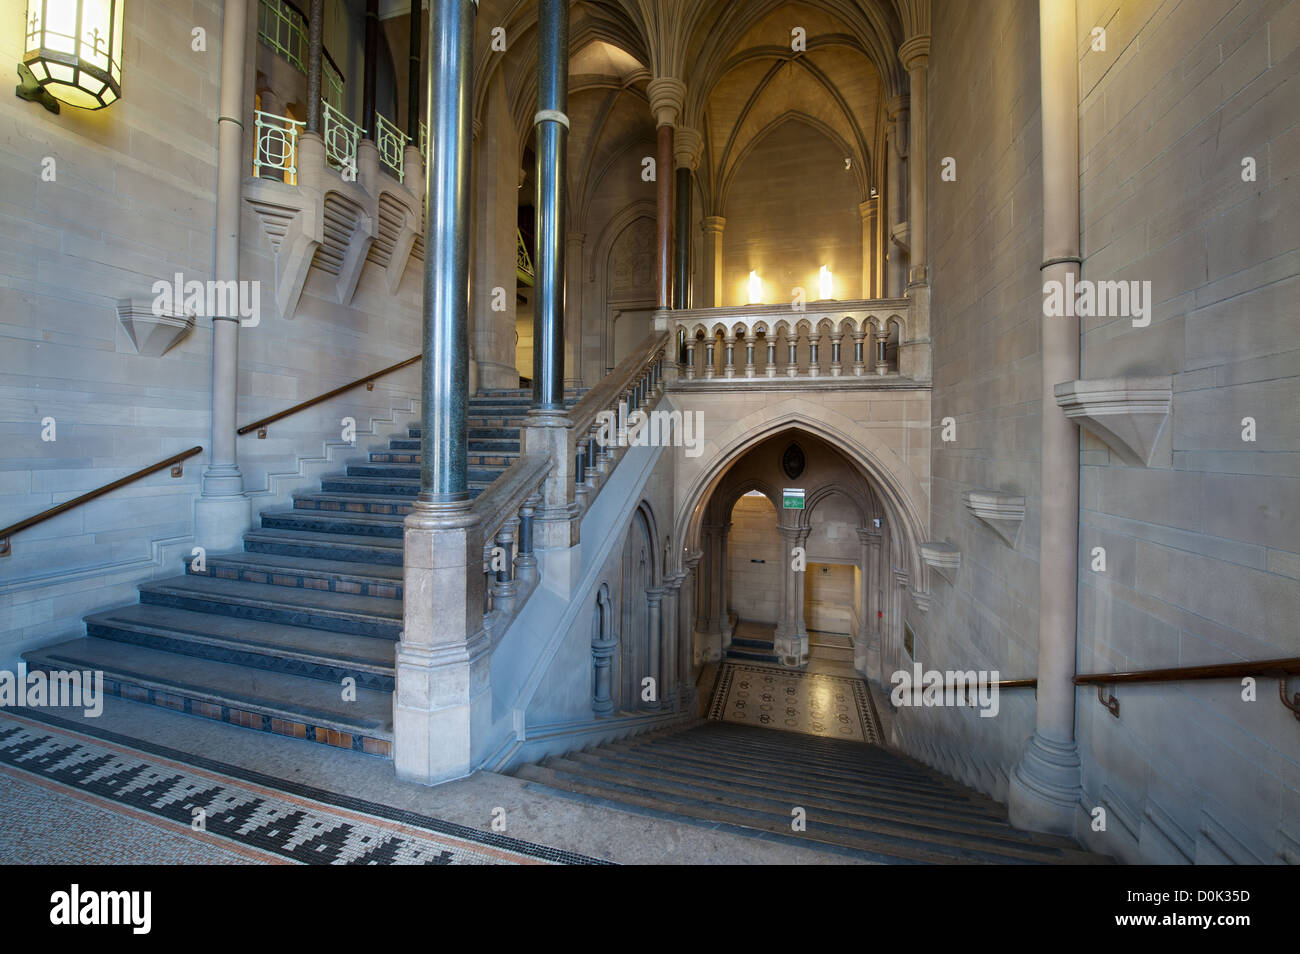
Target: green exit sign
(792,498)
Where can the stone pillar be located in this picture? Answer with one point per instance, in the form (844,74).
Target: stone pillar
(791,634)
(712,226)
(686,628)
(870,282)
(654,644)
(666,96)
(1046,786)
(724,615)
(315,63)
(573,263)
(914,54)
(222,512)
(442,703)
(866,649)
(896,194)
(552,126)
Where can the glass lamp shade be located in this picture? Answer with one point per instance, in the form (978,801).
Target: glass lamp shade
(74,49)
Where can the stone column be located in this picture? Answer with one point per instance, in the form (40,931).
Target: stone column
(1045,787)
(666,96)
(222,512)
(670,665)
(713,226)
(654,643)
(724,616)
(573,263)
(866,650)
(442,703)
(896,195)
(914,54)
(686,627)
(868,212)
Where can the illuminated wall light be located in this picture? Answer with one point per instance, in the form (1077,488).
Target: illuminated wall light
(755,288)
(72,53)
(825,284)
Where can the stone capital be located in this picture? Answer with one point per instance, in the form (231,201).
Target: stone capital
(867,210)
(713,223)
(914,53)
(667,94)
(687,146)
(896,107)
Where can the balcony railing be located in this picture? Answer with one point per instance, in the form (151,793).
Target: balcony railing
(276,155)
(283,27)
(341,136)
(391,143)
(835,339)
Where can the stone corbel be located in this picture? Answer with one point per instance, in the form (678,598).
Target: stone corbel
(943,558)
(354,257)
(294,256)
(1003,513)
(900,236)
(152,334)
(1128,414)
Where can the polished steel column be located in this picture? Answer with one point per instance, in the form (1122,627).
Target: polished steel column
(315,63)
(552,126)
(444,370)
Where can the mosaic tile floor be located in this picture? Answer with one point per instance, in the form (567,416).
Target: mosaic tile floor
(134,806)
(834,707)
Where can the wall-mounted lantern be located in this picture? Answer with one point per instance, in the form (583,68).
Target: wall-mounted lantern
(72,53)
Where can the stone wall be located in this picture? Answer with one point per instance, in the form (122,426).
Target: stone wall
(754,560)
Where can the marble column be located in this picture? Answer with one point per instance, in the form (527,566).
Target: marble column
(712,225)
(868,212)
(686,152)
(315,63)
(370,70)
(1045,787)
(552,128)
(442,699)
(413,76)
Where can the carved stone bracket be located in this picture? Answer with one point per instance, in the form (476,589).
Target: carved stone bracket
(1128,414)
(1004,513)
(152,334)
(944,558)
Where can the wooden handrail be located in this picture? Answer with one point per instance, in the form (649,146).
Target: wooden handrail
(368,381)
(174,462)
(1269,668)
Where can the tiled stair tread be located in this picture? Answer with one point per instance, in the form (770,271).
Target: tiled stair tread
(775,805)
(296,698)
(333,496)
(335,569)
(301,642)
(269,595)
(336,516)
(311,538)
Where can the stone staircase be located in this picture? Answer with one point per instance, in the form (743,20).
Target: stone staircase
(861,801)
(265,637)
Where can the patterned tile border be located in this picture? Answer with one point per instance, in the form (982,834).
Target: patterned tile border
(252,811)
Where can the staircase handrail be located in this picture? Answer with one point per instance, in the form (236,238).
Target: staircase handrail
(505,495)
(612,386)
(174,462)
(369,381)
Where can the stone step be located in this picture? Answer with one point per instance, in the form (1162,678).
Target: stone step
(325,521)
(371,486)
(335,576)
(263,602)
(266,701)
(984,841)
(348,548)
(389,472)
(507,450)
(293,650)
(353,503)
